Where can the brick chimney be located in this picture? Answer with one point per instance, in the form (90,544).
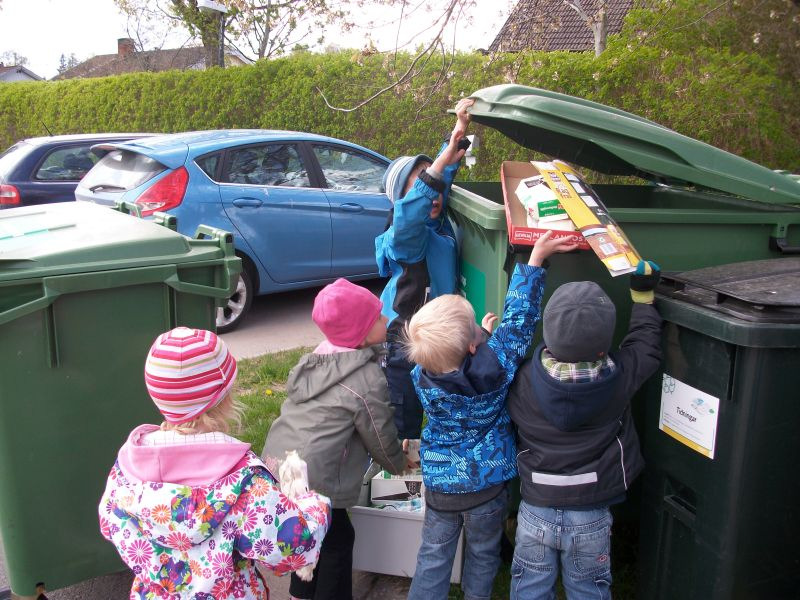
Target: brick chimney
(125,47)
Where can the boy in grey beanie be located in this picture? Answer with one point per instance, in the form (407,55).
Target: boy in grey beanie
(578,451)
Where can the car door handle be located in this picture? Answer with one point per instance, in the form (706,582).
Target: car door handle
(351,207)
(247,202)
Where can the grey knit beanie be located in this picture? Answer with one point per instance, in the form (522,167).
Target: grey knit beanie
(396,175)
(578,322)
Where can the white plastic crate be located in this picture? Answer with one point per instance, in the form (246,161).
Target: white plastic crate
(387,542)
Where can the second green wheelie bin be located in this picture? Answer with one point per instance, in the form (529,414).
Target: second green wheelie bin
(696,205)
(721,512)
(84,291)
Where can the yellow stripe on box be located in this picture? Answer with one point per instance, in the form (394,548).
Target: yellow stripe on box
(576,208)
(686,441)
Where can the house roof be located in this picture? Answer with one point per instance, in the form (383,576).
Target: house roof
(553,25)
(7,71)
(191,57)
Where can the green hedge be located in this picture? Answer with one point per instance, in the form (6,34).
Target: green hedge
(733,101)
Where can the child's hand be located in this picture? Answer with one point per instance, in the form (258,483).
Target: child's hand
(411,450)
(462,116)
(489,321)
(451,154)
(644,280)
(546,246)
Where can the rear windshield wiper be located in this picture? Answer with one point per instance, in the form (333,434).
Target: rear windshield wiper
(105,187)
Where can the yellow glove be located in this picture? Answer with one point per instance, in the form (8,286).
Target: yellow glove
(644,280)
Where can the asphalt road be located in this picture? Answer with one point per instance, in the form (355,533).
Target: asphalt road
(276,322)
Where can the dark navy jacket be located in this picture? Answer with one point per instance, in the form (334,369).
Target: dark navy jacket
(577,443)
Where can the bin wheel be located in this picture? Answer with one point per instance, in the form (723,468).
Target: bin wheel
(231,314)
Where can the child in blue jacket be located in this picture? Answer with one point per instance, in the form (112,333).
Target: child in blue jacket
(418,251)
(467,447)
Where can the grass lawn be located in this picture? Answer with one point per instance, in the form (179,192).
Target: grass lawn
(261,387)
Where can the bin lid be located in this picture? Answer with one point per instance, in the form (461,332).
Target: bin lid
(613,141)
(759,291)
(71,237)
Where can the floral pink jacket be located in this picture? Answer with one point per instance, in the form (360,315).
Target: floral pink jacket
(191,519)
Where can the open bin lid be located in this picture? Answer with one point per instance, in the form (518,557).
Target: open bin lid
(615,142)
(74,237)
(759,291)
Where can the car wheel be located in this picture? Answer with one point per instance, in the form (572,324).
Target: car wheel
(231,314)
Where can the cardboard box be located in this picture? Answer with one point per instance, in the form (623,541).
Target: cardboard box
(388,489)
(388,540)
(511,174)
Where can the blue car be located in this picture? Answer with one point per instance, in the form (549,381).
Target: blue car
(304,209)
(46,169)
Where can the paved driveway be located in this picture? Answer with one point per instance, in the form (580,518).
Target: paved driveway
(281,321)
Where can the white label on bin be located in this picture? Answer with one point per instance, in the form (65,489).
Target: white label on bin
(689,415)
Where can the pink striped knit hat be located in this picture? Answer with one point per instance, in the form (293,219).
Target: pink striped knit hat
(188,372)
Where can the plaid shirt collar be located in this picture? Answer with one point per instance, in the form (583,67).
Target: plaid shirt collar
(579,372)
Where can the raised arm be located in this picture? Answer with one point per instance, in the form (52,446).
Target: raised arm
(513,337)
(640,350)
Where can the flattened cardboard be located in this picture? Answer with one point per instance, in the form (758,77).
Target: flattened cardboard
(590,217)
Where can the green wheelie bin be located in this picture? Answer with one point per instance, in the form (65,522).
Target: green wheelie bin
(695,205)
(721,511)
(84,291)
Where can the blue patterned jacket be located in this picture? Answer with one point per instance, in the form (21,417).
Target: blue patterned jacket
(468,442)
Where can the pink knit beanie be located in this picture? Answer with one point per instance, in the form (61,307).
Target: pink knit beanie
(345,312)
(188,372)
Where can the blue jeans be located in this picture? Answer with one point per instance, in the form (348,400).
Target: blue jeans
(483,529)
(577,540)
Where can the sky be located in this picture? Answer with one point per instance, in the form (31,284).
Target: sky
(43,30)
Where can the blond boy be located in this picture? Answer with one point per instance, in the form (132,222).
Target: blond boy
(467,446)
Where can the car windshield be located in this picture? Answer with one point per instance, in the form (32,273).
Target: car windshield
(11,157)
(122,170)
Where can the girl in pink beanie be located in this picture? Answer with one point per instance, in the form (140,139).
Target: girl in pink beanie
(349,315)
(336,414)
(191,509)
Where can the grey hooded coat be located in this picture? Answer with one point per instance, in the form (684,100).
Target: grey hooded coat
(337,411)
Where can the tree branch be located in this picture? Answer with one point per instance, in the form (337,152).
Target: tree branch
(578,8)
(410,72)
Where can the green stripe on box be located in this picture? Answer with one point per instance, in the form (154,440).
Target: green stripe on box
(549,208)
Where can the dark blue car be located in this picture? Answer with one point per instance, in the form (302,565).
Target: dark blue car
(47,169)
(304,208)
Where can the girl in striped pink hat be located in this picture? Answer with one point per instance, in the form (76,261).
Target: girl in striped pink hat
(190,508)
